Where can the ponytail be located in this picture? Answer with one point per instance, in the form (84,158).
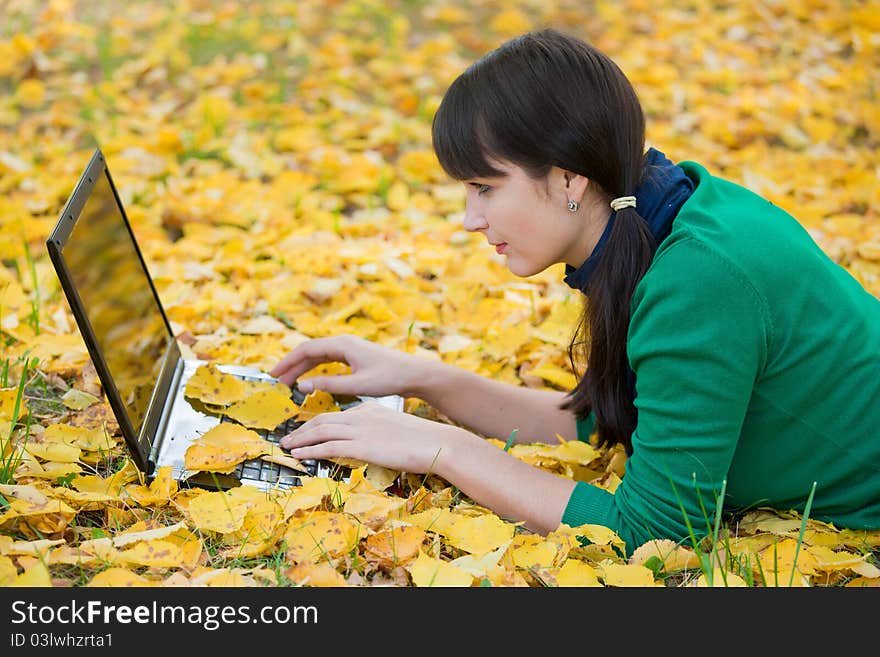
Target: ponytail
(600,339)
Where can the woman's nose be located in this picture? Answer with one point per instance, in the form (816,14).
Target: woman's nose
(474,218)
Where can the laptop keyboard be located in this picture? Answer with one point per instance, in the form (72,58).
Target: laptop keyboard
(271,472)
(274,474)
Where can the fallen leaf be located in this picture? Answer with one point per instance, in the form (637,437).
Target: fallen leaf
(427,571)
(263,410)
(211,386)
(78,399)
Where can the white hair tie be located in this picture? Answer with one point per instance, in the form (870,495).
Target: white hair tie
(623,202)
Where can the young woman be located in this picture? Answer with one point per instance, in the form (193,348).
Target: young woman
(724,349)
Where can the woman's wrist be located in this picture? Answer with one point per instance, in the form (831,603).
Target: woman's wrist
(426,378)
(454,446)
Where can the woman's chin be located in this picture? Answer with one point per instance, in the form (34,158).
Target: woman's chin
(522,269)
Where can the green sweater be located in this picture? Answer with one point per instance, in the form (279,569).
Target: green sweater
(757,360)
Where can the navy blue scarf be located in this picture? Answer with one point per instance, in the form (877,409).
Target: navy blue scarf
(659,197)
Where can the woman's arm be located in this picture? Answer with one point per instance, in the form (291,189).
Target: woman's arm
(512,489)
(488,407)
(493,408)
(488,475)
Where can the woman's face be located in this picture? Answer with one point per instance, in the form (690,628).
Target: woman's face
(529,219)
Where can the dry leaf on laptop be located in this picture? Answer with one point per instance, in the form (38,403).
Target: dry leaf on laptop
(211,386)
(315,403)
(263,410)
(223,447)
(277,456)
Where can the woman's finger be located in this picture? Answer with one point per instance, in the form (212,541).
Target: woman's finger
(311,434)
(330,449)
(307,355)
(342,384)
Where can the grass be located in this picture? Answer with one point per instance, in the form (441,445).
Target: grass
(10,458)
(731,563)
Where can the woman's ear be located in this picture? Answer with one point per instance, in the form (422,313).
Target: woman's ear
(575,186)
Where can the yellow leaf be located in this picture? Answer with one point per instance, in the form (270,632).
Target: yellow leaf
(307,496)
(253,387)
(555,375)
(146,532)
(420,166)
(20,492)
(427,571)
(394,546)
(782,558)
(826,559)
(159,492)
(483,565)
(281,458)
(58,452)
(88,554)
(858,582)
(28,518)
(263,326)
(597,534)
(30,93)
(8,571)
(380,477)
(540,555)
(112,485)
(674,556)
(83,501)
(88,439)
(320,536)
(721,579)
(223,447)
(557,326)
(397,197)
(118,577)
(480,534)
(53,469)
(78,399)
(318,575)
(866,570)
(263,517)
(625,575)
(182,549)
(217,511)
(225,577)
(211,386)
(577,573)
(36,575)
(263,410)
(7,404)
(372,509)
(37,548)
(315,403)
(510,22)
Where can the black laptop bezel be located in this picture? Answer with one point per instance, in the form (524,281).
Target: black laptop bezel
(140,446)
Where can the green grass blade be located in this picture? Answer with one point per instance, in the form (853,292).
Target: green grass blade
(803,528)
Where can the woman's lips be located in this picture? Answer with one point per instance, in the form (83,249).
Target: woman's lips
(499,248)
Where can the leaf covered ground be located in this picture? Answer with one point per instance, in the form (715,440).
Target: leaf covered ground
(274,159)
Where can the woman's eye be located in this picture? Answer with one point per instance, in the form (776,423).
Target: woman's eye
(481,189)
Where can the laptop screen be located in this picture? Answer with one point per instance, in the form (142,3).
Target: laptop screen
(118,299)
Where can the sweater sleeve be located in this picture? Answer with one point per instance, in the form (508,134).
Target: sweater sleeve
(697,341)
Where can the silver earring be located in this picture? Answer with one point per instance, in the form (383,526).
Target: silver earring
(573,206)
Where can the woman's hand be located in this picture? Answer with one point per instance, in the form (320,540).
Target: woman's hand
(377,434)
(376,370)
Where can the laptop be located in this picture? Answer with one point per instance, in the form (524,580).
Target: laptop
(134,351)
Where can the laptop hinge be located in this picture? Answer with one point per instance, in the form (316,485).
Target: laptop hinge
(156,424)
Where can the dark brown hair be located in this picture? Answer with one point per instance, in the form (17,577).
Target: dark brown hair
(547,99)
